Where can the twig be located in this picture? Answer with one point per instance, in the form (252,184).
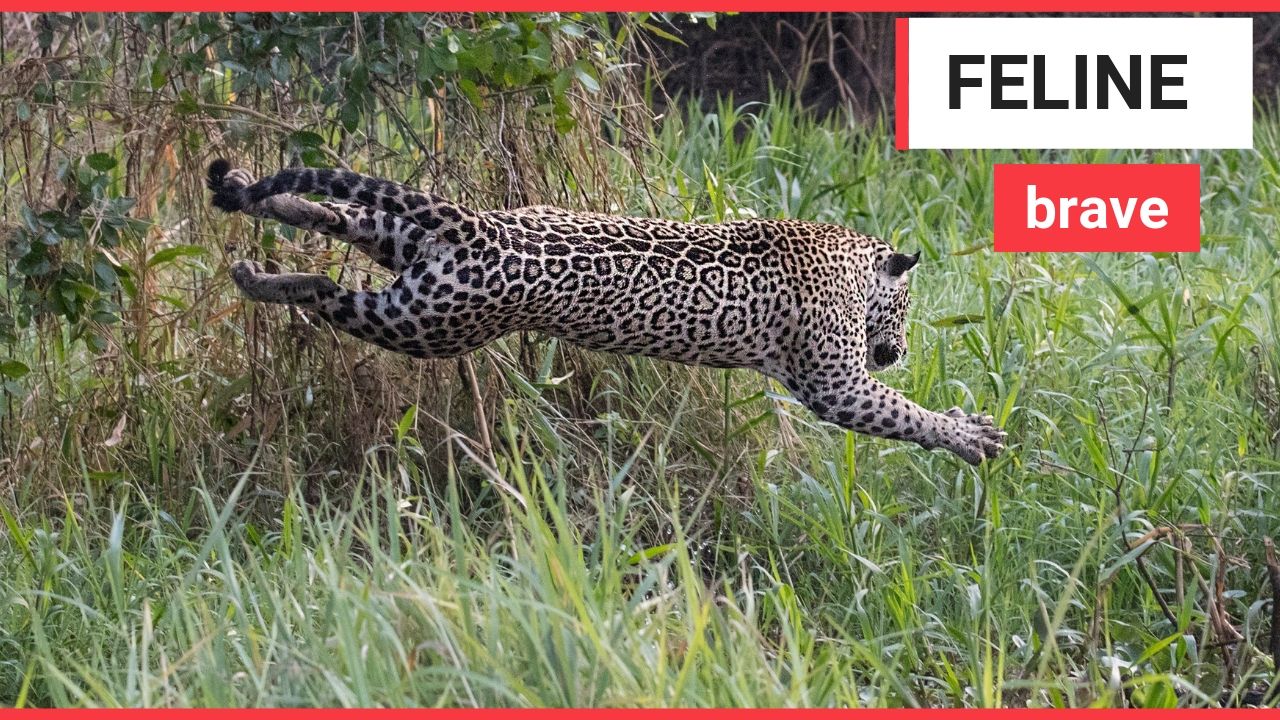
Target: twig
(1179,573)
(1118,490)
(1142,426)
(1220,590)
(1151,536)
(1225,634)
(274,122)
(482,424)
(1164,606)
(463,443)
(1106,436)
(846,93)
(1273,570)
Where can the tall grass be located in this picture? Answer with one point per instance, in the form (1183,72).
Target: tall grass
(243,508)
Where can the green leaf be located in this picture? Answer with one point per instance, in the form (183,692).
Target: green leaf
(13,369)
(654,29)
(173,253)
(21,537)
(312,157)
(350,116)
(972,249)
(406,423)
(561,83)
(426,67)
(358,80)
(1134,309)
(470,90)
(565,124)
(957,320)
(105,271)
(34,263)
(1159,645)
(1124,560)
(101,162)
(187,104)
(584,73)
(306,139)
(650,553)
(443,60)
(482,58)
(29,219)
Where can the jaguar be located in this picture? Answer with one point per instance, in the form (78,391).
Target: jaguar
(818,307)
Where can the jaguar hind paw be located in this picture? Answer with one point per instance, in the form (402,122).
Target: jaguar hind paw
(227,184)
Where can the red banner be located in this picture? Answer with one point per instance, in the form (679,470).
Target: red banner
(1097,208)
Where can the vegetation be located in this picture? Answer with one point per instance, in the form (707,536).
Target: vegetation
(207,502)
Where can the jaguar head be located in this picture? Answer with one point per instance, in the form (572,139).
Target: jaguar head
(887,305)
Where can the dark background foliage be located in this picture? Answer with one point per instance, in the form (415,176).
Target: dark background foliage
(835,60)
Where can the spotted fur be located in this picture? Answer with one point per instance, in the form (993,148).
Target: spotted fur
(815,306)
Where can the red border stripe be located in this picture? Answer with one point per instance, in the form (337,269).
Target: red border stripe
(901,100)
(633,714)
(922,6)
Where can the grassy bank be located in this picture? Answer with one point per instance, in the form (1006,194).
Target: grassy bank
(215,503)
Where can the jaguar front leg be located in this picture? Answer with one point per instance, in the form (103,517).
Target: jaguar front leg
(868,406)
(389,240)
(828,374)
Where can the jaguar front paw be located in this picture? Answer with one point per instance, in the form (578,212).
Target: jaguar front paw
(973,437)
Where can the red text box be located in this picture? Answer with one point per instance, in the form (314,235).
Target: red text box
(1097,208)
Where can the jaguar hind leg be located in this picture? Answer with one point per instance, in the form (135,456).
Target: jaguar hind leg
(394,319)
(356,313)
(389,240)
(282,288)
(451,221)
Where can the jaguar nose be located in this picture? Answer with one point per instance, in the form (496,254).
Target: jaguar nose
(885,355)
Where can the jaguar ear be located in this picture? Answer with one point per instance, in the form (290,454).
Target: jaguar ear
(898,264)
